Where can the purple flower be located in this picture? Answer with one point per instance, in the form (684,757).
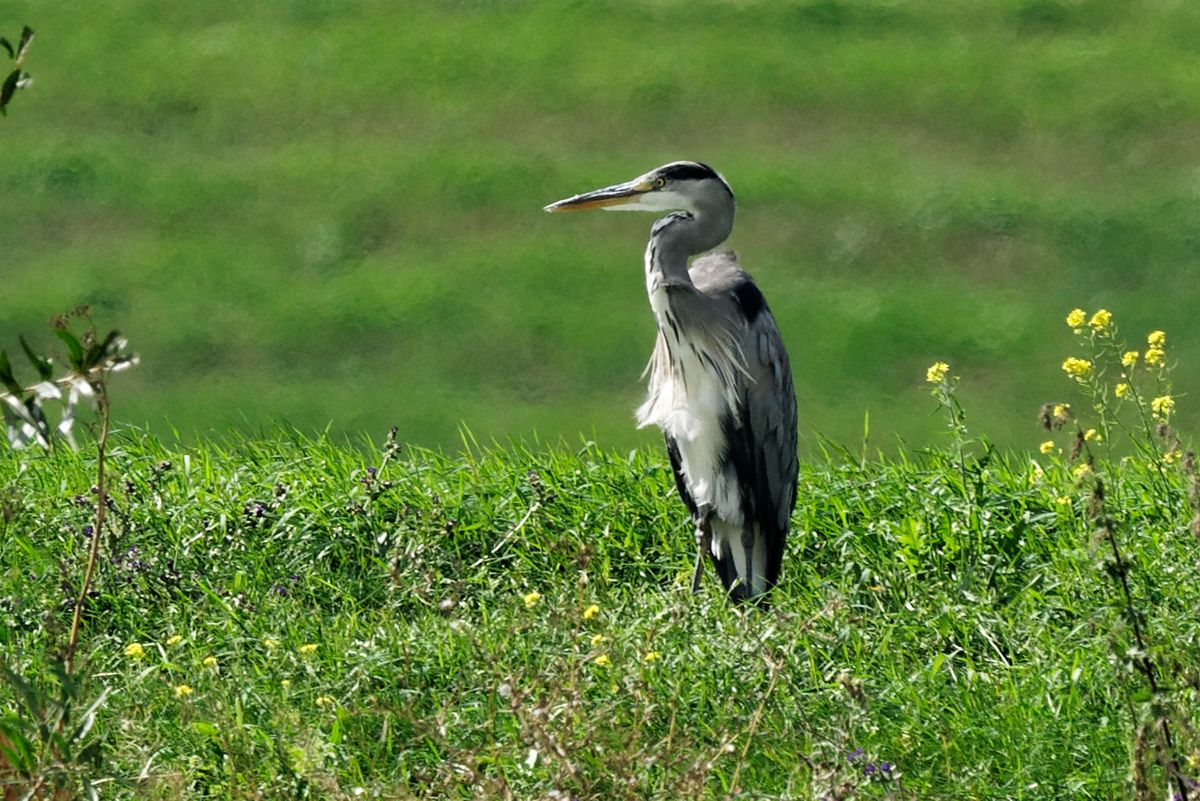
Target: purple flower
(87,531)
(869,768)
(855,755)
(886,767)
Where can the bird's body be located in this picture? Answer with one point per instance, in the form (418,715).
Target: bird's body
(720,384)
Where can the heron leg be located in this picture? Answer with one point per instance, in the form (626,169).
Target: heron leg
(748,546)
(703,546)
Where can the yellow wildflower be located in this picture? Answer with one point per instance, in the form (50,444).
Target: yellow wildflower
(1170,457)
(135,650)
(1154,357)
(1092,435)
(1047,446)
(602,660)
(1035,476)
(209,661)
(1077,368)
(308,648)
(271,643)
(285,683)
(1062,411)
(531,598)
(1129,359)
(1076,318)
(1063,500)
(591,612)
(937,372)
(182,690)
(1100,320)
(323,701)
(1162,406)
(174,640)
(1081,470)
(1121,391)
(1157,339)
(651,656)
(597,639)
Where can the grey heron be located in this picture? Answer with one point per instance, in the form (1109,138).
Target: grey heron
(720,384)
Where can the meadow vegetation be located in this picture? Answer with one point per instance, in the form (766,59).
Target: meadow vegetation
(293,617)
(328,213)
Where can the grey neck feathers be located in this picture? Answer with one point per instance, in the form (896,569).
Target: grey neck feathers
(677,237)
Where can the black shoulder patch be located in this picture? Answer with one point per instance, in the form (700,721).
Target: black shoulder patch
(750,299)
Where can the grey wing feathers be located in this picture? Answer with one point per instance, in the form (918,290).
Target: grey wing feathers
(762,442)
(769,417)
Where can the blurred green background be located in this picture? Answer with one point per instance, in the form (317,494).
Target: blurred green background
(329,212)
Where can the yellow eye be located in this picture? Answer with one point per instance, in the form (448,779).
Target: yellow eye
(659,183)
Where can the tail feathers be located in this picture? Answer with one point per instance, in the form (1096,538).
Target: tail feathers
(743,571)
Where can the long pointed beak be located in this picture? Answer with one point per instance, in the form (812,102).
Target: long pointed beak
(611,197)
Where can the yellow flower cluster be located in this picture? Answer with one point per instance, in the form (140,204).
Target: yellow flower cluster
(1062,411)
(174,640)
(308,648)
(1076,318)
(591,612)
(1130,359)
(652,656)
(1100,320)
(1121,391)
(937,372)
(1092,435)
(1077,368)
(1162,406)
(1063,500)
(531,598)
(209,662)
(135,650)
(1154,354)
(597,639)
(323,701)
(1081,470)
(183,690)
(602,660)
(1047,446)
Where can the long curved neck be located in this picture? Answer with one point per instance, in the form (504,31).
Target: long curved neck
(677,237)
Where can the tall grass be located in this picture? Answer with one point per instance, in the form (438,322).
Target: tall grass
(316,618)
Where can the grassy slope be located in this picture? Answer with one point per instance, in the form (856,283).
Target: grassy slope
(322,210)
(966,642)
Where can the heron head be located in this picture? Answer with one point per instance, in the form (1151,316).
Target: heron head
(679,186)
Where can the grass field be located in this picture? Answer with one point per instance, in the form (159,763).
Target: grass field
(329,212)
(293,618)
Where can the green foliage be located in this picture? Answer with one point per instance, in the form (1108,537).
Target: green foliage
(312,618)
(46,743)
(18,78)
(331,211)
(89,362)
